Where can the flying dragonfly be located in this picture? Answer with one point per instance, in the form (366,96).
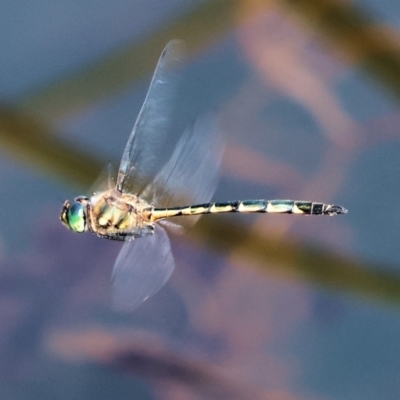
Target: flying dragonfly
(155,176)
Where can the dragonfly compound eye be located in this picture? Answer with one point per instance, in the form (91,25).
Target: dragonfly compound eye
(75,217)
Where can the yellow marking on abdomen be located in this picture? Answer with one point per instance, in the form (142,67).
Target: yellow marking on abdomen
(275,207)
(296,210)
(251,206)
(216,208)
(194,210)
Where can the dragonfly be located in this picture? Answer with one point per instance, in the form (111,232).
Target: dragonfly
(144,201)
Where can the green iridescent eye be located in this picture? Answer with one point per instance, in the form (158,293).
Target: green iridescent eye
(76,217)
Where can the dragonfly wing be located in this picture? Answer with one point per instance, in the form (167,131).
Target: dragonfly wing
(191,174)
(145,149)
(105,180)
(142,268)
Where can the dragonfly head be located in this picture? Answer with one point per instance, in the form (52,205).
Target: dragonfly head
(73,215)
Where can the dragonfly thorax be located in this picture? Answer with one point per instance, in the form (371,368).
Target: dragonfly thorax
(119,216)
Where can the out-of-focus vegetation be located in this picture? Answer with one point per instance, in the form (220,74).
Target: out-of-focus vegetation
(355,35)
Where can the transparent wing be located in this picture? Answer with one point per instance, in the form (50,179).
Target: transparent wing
(144,153)
(105,180)
(191,174)
(142,268)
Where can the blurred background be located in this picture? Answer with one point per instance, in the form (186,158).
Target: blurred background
(259,307)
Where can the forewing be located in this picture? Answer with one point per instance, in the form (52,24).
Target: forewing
(146,145)
(105,180)
(142,268)
(191,174)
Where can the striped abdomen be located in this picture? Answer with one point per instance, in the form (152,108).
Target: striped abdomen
(251,206)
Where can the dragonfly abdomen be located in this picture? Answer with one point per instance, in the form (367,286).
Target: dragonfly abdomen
(251,206)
